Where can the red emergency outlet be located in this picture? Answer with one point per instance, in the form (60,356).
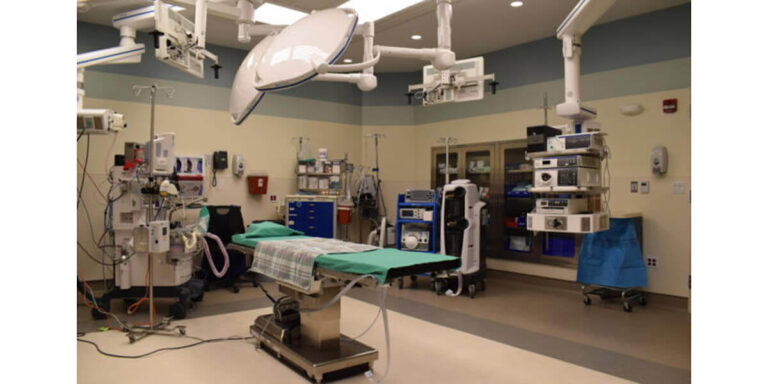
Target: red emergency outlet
(670,106)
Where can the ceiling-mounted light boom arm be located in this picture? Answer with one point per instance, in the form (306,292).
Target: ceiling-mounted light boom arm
(582,17)
(441,57)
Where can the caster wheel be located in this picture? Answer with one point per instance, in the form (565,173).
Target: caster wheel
(236,289)
(199,298)
(627,307)
(182,331)
(178,310)
(439,288)
(587,300)
(255,284)
(400,283)
(432,285)
(131,339)
(96,315)
(643,301)
(472,290)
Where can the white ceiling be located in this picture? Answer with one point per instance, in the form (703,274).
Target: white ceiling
(479,26)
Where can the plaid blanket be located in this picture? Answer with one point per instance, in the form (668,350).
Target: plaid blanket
(293,261)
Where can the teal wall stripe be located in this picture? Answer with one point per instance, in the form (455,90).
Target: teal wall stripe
(655,77)
(103,85)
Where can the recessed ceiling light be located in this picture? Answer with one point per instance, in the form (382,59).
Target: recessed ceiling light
(516,4)
(416,37)
(347,60)
(370,10)
(269,13)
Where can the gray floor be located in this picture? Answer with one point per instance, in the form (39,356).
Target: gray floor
(650,345)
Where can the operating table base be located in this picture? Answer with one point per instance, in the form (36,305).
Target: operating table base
(345,358)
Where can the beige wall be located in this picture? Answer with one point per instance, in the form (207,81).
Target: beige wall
(264,141)
(405,162)
(404,157)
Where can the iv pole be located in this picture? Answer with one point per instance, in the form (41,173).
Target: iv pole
(136,333)
(376,137)
(447,141)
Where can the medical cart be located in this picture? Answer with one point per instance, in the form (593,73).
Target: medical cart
(315,215)
(417,228)
(625,285)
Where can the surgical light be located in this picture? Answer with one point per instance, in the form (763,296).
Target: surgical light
(244,97)
(300,48)
(269,13)
(516,4)
(369,10)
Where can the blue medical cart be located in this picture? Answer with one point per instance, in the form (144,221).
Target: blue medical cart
(611,262)
(433,226)
(313,215)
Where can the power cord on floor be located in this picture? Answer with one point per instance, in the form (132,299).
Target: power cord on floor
(199,342)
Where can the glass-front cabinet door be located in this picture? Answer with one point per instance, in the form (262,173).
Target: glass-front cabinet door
(478,169)
(518,178)
(440,167)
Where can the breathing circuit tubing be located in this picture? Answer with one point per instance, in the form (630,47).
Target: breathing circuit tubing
(224,253)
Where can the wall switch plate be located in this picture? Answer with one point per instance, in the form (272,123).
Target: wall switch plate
(273,198)
(651,262)
(678,188)
(633,186)
(645,186)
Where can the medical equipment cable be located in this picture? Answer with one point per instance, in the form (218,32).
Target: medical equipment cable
(85,168)
(109,151)
(91,180)
(135,306)
(95,260)
(94,303)
(338,296)
(199,342)
(370,326)
(81,133)
(272,299)
(382,290)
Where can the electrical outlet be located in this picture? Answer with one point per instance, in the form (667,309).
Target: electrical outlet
(633,186)
(651,262)
(645,186)
(678,188)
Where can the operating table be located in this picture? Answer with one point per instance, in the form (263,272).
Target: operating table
(304,329)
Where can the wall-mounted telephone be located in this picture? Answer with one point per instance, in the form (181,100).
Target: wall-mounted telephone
(659,160)
(219,162)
